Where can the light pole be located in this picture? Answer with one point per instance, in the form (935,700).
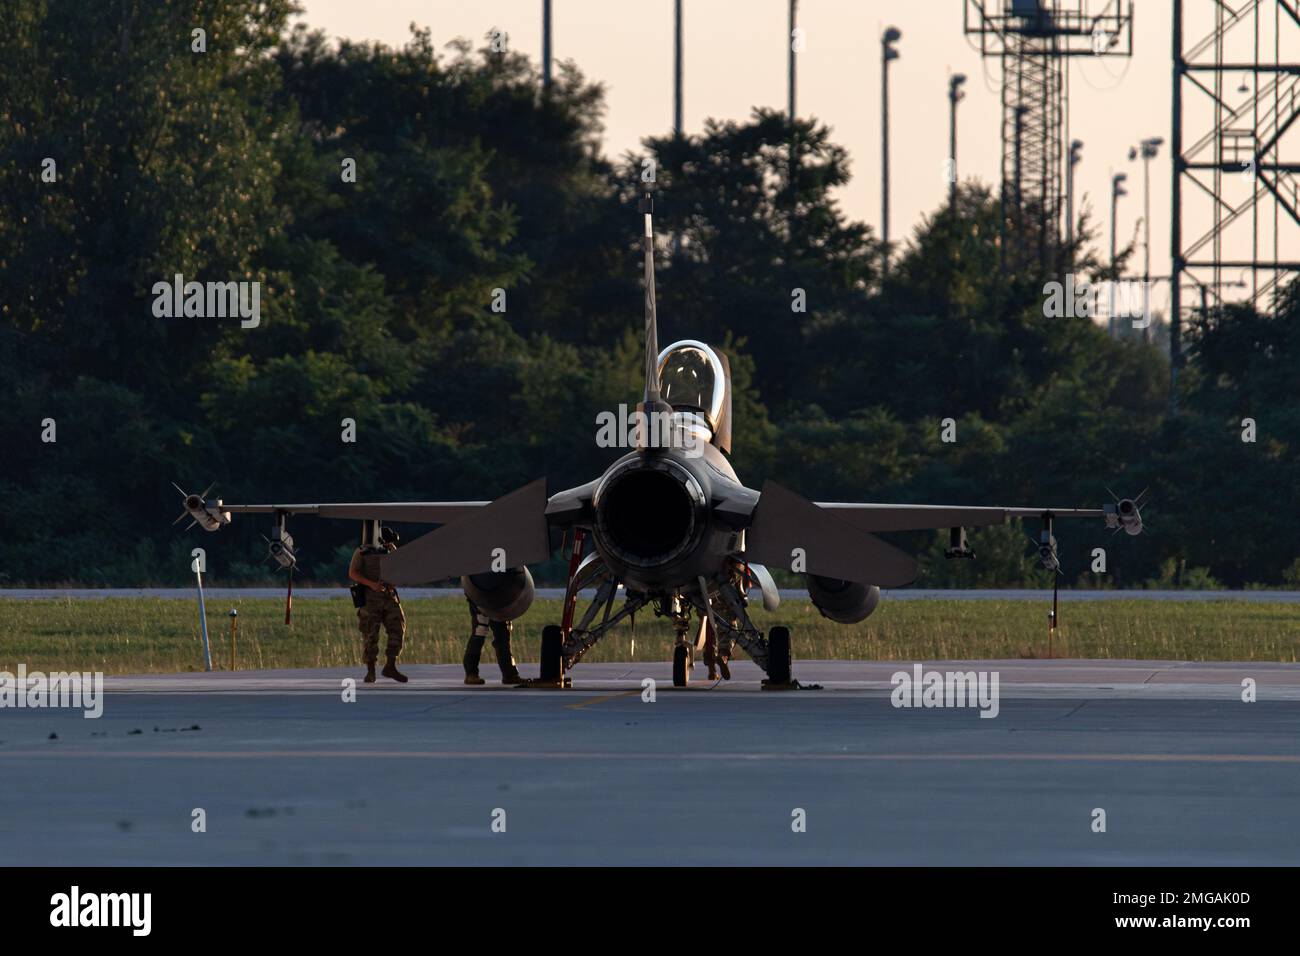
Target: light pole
(794,9)
(887,53)
(1147,151)
(1116,190)
(546,44)
(677,68)
(955,95)
(1076,148)
(794,130)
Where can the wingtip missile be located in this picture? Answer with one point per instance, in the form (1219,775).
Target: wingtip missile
(206,512)
(1125,514)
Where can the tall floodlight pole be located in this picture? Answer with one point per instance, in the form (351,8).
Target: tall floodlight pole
(794,131)
(1146,150)
(546,44)
(955,96)
(1075,149)
(677,68)
(794,6)
(676,242)
(1116,190)
(887,54)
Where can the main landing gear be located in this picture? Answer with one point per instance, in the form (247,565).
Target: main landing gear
(552,657)
(778,659)
(718,607)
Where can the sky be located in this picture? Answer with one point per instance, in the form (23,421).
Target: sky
(735,60)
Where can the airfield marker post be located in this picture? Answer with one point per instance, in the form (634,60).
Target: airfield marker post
(1052,617)
(234,626)
(203,621)
(288,602)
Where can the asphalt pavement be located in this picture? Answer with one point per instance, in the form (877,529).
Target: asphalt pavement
(286,770)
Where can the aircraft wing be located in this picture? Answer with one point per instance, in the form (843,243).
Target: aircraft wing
(787,528)
(475,535)
(419,512)
(885,517)
(511,531)
(838,539)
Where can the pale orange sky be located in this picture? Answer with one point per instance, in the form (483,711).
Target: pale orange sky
(735,59)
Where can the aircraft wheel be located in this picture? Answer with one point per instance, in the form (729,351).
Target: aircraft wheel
(681,665)
(552,649)
(778,655)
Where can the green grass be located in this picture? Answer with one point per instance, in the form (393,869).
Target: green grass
(142,635)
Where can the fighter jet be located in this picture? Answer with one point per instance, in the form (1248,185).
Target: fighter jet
(672,529)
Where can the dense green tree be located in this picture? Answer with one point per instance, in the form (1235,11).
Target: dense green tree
(377,306)
(165,162)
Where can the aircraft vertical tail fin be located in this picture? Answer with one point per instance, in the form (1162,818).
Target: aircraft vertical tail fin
(652,397)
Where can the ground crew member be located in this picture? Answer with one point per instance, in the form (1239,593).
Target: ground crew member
(382,606)
(479,628)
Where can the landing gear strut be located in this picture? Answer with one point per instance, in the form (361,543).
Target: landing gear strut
(683,649)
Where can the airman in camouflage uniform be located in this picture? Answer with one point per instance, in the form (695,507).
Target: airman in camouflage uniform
(480,626)
(382,607)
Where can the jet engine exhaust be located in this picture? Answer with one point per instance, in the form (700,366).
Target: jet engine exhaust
(649,516)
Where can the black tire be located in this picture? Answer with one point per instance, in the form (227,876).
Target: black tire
(778,655)
(681,665)
(552,648)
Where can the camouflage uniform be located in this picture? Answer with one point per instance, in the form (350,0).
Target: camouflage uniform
(381,608)
(500,630)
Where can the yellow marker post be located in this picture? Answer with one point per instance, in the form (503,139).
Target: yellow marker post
(234,626)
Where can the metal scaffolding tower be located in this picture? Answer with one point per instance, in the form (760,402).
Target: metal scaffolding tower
(1236,172)
(1033,38)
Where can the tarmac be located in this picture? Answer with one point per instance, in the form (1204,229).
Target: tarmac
(286,771)
(901,594)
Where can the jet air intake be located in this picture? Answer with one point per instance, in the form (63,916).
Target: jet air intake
(650,512)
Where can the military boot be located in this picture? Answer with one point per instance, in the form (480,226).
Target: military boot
(370,672)
(390,670)
(473,654)
(505,658)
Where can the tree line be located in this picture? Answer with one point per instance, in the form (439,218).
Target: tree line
(447,258)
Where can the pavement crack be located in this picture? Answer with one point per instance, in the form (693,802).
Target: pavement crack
(440,705)
(1082,704)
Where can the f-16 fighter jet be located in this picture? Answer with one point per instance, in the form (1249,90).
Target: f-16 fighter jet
(672,528)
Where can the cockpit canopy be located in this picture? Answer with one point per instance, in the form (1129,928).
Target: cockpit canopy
(694,378)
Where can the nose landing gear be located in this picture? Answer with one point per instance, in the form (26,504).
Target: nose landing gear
(682,664)
(684,650)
